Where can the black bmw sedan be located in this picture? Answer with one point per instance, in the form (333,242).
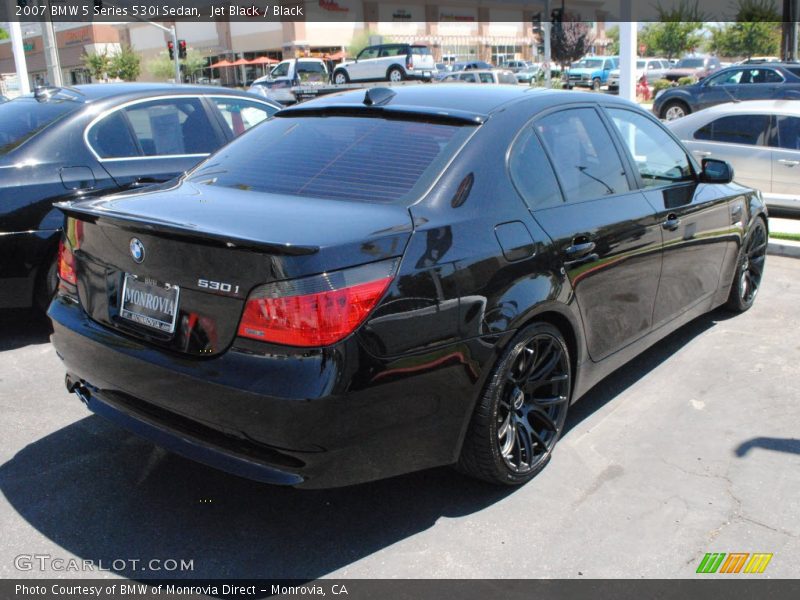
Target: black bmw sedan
(371,284)
(69,143)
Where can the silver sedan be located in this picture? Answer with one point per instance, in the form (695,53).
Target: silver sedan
(761,139)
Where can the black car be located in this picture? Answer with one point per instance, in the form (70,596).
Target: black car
(733,84)
(374,283)
(67,143)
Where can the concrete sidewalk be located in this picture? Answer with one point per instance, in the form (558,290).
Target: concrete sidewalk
(780,247)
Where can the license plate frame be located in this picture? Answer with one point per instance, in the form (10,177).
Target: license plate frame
(157,322)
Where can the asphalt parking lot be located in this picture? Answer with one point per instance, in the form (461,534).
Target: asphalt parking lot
(691,448)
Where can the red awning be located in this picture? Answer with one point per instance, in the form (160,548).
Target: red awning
(221,63)
(241,61)
(262,60)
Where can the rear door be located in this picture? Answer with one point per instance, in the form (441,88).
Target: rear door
(740,139)
(605,231)
(763,83)
(694,218)
(154,140)
(786,156)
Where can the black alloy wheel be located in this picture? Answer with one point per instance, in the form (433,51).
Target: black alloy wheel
(750,270)
(521,415)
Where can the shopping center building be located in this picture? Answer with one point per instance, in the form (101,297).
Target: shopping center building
(465,30)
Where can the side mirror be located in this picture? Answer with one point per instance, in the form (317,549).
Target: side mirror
(716,171)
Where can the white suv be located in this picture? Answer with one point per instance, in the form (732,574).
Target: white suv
(390,62)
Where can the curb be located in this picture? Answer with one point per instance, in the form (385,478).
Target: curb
(783,248)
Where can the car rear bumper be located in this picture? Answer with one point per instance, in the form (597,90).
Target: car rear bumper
(323,418)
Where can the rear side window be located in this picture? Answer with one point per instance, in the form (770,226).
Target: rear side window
(23,118)
(583,153)
(532,174)
(349,158)
(749,130)
(172,126)
(486,77)
(788,132)
(240,114)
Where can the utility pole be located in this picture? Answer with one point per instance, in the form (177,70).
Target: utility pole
(19,57)
(546,25)
(51,51)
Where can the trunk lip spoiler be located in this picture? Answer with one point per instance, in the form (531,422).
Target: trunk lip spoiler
(170,228)
(394,111)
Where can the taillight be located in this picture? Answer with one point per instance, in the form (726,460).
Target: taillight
(410,63)
(315,311)
(66,263)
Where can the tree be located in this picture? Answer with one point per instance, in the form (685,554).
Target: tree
(3,34)
(193,64)
(163,67)
(361,41)
(756,30)
(570,42)
(612,33)
(671,38)
(97,63)
(125,64)
(746,39)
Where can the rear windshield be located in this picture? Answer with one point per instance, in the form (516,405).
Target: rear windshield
(23,118)
(337,157)
(689,63)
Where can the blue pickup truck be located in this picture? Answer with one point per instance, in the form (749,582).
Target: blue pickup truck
(591,72)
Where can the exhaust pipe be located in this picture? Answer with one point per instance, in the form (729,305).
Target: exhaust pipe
(75,386)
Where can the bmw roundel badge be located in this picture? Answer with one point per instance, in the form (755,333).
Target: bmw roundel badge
(137,250)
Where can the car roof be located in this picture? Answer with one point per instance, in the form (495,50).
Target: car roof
(101,91)
(463,98)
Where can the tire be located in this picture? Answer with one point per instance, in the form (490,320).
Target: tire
(46,284)
(395,75)
(531,383)
(674,109)
(596,84)
(749,269)
(341,77)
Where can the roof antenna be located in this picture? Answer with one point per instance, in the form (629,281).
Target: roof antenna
(378,96)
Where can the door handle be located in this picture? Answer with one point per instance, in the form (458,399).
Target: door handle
(672,222)
(579,248)
(701,152)
(789,163)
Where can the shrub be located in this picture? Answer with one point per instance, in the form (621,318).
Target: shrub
(686,80)
(661,84)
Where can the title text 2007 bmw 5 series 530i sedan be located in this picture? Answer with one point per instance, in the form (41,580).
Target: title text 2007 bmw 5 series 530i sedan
(374,283)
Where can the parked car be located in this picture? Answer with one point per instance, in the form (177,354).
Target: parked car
(296,312)
(492,76)
(89,140)
(277,86)
(758,60)
(652,68)
(472,65)
(740,82)
(591,72)
(697,67)
(515,66)
(760,139)
(528,74)
(390,62)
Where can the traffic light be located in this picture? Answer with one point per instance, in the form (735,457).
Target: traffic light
(181,48)
(556,18)
(536,22)
(171,48)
